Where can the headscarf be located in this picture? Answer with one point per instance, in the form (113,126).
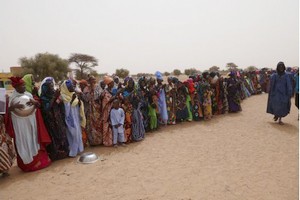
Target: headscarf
(159,75)
(175,80)
(205,75)
(116,77)
(67,97)
(231,74)
(128,90)
(44,91)
(107,80)
(198,78)
(280,64)
(83,82)
(16,81)
(28,82)
(191,85)
(46,80)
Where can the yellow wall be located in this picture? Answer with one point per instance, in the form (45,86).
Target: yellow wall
(4,77)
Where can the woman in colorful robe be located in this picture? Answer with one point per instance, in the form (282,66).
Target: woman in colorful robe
(189,100)
(53,114)
(29,132)
(234,101)
(207,101)
(84,95)
(7,150)
(171,94)
(225,108)
(182,111)
(142,97)
(91,95)
(106,104)
(74,117)
(153,105)
(128,110)
(133,105)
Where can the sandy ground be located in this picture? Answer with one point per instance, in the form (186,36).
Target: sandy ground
(234,156)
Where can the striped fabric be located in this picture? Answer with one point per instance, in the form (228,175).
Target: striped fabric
(5,161)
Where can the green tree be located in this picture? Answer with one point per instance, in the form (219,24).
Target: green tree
(251,68)
(187,72)
(191,71)
(214,69)
(176,72)
(122,73)
(167,73)
(84,63)
(232,67)
(45,64)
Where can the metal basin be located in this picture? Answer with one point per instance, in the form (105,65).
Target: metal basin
(88,158)
(28,110)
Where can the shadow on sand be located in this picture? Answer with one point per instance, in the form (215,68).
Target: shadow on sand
(286,127)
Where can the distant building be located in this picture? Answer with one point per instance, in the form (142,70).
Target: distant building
(5,81)
(17,71)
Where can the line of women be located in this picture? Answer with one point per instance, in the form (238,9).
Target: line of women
(67,119)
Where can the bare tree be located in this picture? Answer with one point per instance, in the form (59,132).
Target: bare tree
(251,68)
(84,62)
(232,67)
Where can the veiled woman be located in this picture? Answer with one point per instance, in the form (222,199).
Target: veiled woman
(53,111)
(234,100)
(74,117)
(281,90)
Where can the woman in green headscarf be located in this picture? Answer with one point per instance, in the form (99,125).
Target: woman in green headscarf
(29,82)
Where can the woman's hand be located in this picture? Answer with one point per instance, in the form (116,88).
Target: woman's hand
(16,106)
(57,93)
(33,102)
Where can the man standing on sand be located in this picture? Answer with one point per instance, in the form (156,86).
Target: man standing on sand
(281,90)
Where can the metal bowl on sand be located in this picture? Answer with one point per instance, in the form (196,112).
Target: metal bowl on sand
(88,158)
(27,110)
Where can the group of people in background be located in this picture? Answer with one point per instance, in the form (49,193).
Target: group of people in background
(80,113)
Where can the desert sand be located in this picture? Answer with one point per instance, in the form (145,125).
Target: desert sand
(238,156)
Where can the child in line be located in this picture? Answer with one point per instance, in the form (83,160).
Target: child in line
(117,118)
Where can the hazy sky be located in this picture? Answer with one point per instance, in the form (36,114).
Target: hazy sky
(150,35)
